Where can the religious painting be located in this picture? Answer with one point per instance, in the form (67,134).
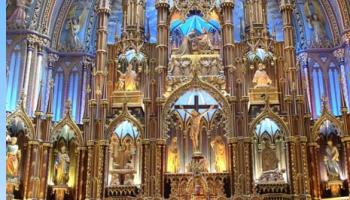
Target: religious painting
(317,28)
(72,36)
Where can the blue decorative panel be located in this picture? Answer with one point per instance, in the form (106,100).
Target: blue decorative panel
(74,94)
(151,16)
(13,86)
(115,21)
(58,94)
(334,85)
(318,88)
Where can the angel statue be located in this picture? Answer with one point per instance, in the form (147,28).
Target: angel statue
(315,19)
(19,16)
(75,21)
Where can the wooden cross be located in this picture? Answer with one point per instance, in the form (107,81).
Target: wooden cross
(196,105)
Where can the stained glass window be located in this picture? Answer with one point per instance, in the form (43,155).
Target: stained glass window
(58,94)
(14,79)
(318,88)
(334,87)
(73,93)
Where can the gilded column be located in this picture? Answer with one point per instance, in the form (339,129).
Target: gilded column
(314,169)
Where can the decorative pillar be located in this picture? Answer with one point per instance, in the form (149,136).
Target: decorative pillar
(314,170)
(228,45)
(52,59)
(38,74)
(30,49)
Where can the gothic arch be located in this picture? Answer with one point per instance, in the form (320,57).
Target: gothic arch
(125,115)
(67,120)
(195,83)
(268,113)
(326,116)
(20,113)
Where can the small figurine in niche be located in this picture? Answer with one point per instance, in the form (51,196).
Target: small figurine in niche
(219,149)
(127,81)
(204,41)
(261,79)
(331,160)
(62,163)
(173,163)
(13,157)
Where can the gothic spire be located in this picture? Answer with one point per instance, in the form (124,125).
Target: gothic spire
(39,101)
(49,106)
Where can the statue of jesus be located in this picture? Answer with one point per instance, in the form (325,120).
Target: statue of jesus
(195,127)
(261,79)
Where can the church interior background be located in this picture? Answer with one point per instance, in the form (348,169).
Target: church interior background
(173,99)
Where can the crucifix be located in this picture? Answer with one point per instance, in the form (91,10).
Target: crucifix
(196,119)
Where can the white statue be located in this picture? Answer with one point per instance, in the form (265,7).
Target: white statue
(331,160)
(261,79)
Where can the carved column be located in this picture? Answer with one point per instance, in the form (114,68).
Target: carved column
(33,179)
(294,176)
(228,46)
(38,75)
(346,145)
(30,49)
(314,170)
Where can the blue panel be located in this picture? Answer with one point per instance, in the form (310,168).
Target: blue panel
(204,98)
(151,15)
(115,21)
(14,80)
(194,23)
(126,128)
(318,89)
(335,91)
(238,20)
(274,19)
(58,94)
(73,93)
(267,126)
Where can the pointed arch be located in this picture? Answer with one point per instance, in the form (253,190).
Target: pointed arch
(125,115)
(326,116)
(67,120)
(195,83)
(268,113)
(20,113)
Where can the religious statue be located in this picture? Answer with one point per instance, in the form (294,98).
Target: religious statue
(195,126)
(62,162)
(219,149)
(261,79)
(19,16)
(127,81)
(269,158)
(173,163)
(186,45)
(204,41)
(13,156)
(331,160)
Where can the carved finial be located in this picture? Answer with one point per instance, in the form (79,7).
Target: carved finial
(68,107)
(49,106)
(39,100)
(21,101)
(325,103)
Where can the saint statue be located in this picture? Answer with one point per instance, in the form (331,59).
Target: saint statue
(261,79)
(204,41)
(127,81)
(62,162)
(331,160)
(195,126)
(13,156)
(314,19)
(219,149)
(186,45)
(269,158)
(173,163)
(19,16)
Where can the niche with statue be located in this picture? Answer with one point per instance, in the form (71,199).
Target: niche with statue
(64,161)
(270,161)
